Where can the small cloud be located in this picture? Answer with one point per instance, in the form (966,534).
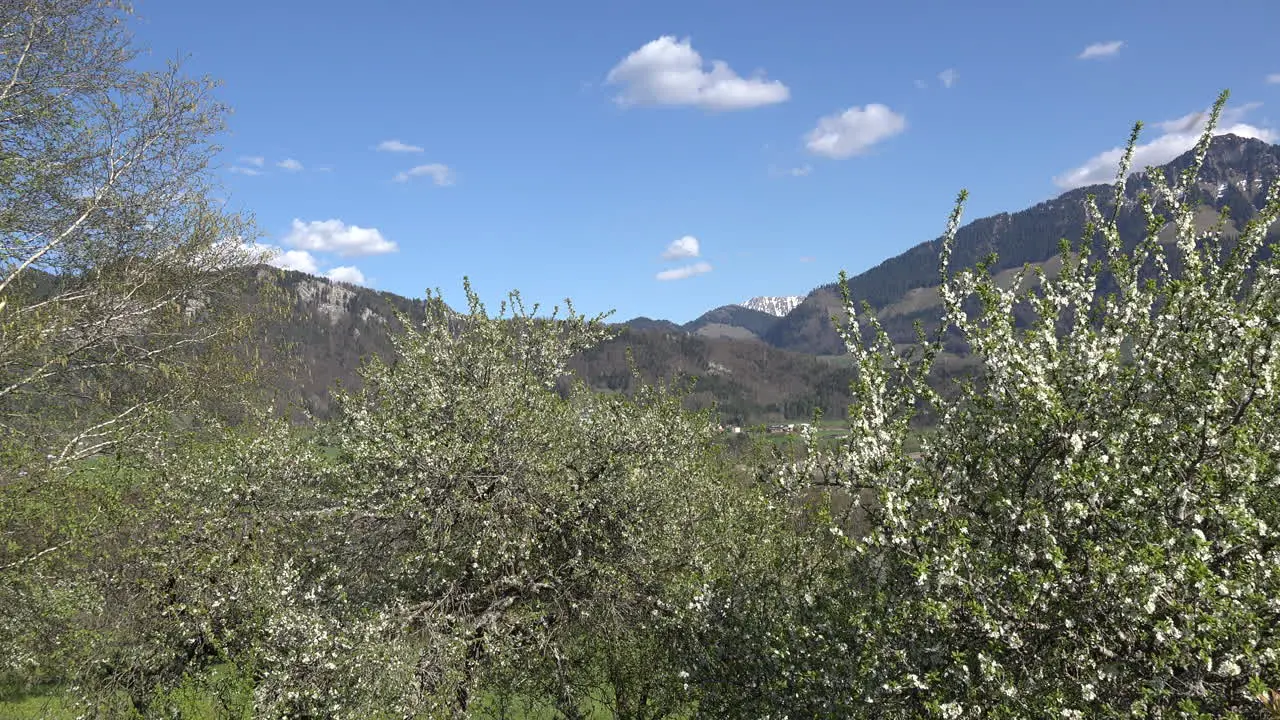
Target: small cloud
(921,85)
(440,174)
(289,164)
(668,71)
(686,271)
(254,160)
(397,146)
(1273,79)
(1177,136)
(948,77)
(1101,50)
(299,260)
(338,237)
(235,251)
(854,130)
(324,168)
(245,171)
(685,247)
(807,258)
(346,274)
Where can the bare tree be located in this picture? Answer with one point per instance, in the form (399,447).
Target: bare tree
(112,250)
(118,274)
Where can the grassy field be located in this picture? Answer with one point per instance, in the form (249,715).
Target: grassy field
(193,701)
(35,706)
(195,704)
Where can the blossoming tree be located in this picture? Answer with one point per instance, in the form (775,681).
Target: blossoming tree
(1092,530)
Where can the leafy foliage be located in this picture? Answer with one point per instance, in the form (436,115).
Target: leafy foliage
(1090,531)
(459,529)
(116,266)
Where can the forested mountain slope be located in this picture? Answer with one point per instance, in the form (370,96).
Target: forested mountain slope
(1236,174)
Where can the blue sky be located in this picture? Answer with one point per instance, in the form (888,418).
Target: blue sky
(579,149)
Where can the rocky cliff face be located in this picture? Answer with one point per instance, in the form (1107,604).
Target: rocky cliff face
(777,306)
(1236,175)
(329,328)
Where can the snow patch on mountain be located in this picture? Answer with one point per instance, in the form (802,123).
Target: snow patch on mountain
(778,305)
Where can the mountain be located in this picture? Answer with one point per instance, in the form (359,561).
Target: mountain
(749,381)
(1236,174)
(777,306)
(645,323)
(755,365)
(732,321)
(727,321)
(328,328)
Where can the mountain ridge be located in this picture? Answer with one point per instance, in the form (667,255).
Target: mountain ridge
(1235,175)
(777,305)
(332,327)
(757,365)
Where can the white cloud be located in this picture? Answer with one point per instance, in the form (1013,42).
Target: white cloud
(685,247)
(686,271)
(254,160)
(256,252)
(1178,136)
(242,252)
(346,274)
(289,164)
(299,260)
(1100,50)
(397,146)
(338,237)
(668,71)
(948,77)
(1273,78)
(245,171)
(921,85)
(854,130)
(440,174)
(228,252)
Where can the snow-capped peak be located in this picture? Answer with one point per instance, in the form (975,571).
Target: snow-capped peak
(778,306)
